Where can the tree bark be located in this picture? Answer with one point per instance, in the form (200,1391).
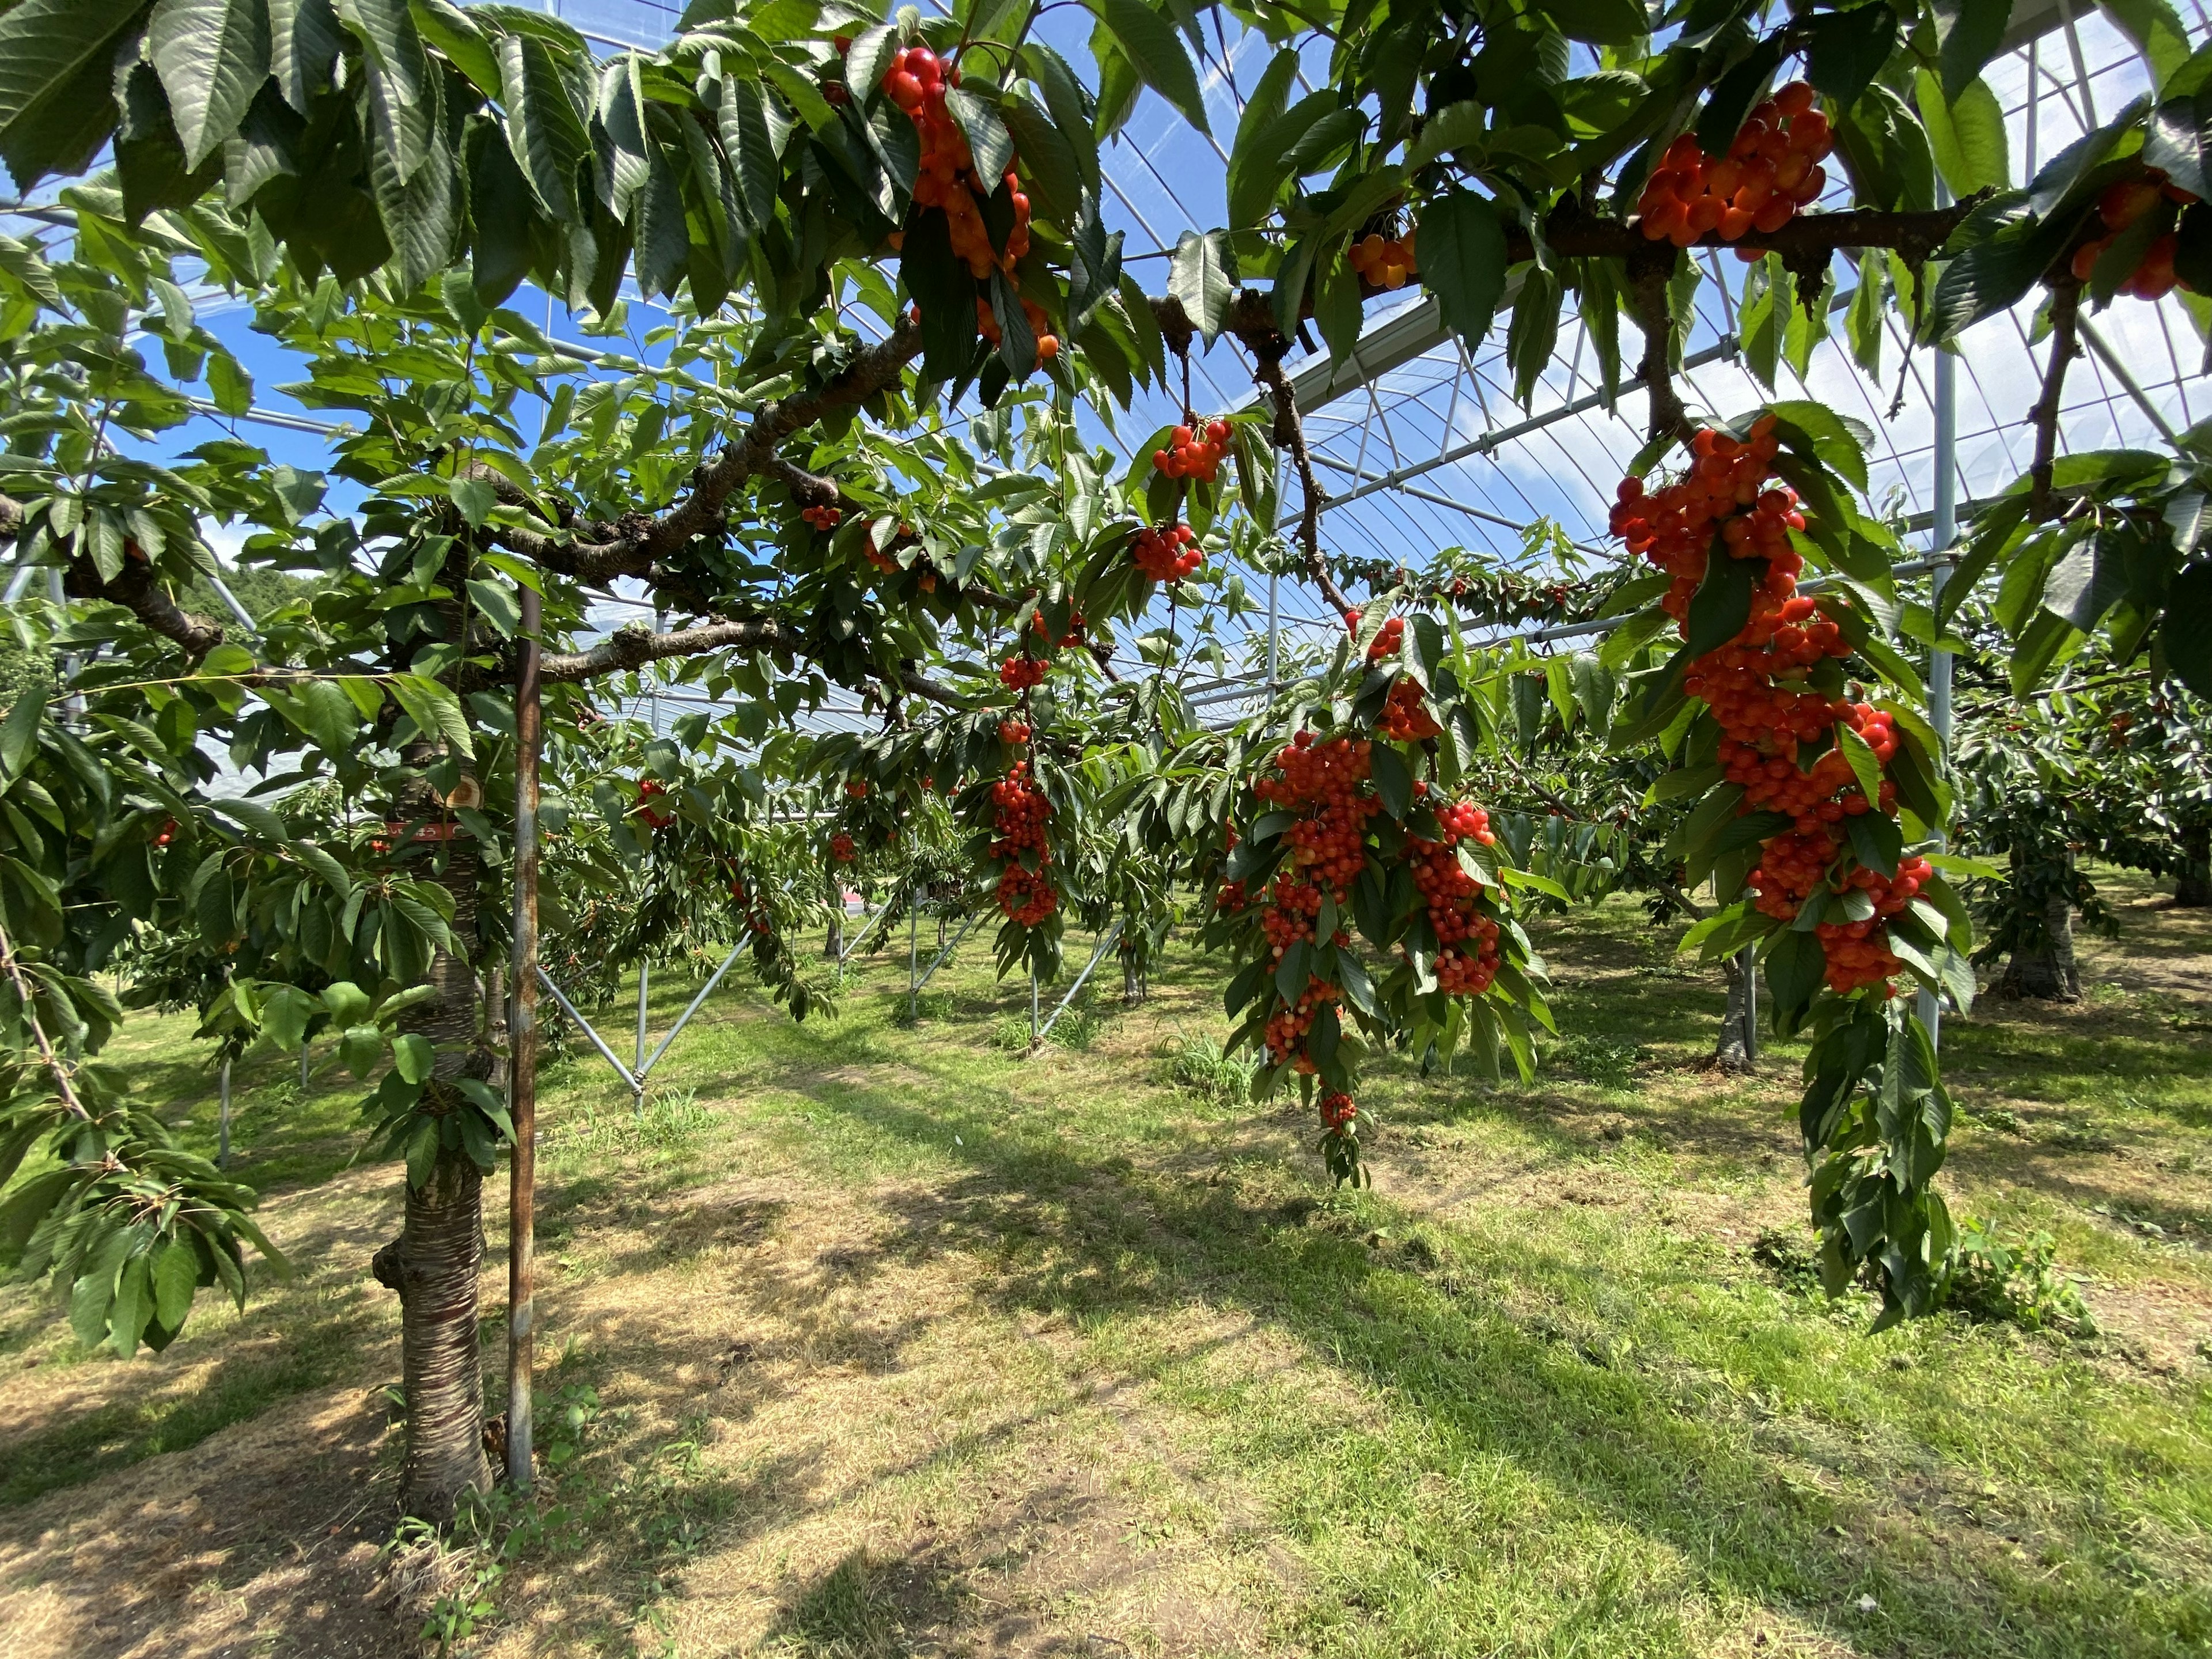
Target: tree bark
(2192,888)
(2043,964)
(1737,1043)
(433,1264)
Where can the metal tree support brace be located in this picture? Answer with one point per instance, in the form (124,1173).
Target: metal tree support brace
(1040,1032)
(853,943)
(634,1080)
(966,927)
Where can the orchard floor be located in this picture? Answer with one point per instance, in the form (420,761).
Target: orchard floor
(884,1340)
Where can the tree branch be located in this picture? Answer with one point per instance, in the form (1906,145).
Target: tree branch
(642,541)
(634,647)
(1649,269)
(135,587)
(1268,347)
(2065,317)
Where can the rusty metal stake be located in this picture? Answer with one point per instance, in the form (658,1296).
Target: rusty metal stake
(522,1057)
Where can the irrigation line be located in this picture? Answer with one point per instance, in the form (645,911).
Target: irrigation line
(1105,942)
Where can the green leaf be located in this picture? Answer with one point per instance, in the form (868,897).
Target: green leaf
(19,732)
(56,103)
(212,56)
(1968,33)
(360,1047)
(1721,604)
(1845,50)
(402,84)
(1817,430)
(1967,134)
(1865,768)
(176,1277)
(413,1055)
(228,383)
(987,138)
(436,710)
(2156,29)
(1796,966)
(543,130)
(2185,638)
(1463,262)
(1156,52)
(943,292)
(304,41)
(1599,22)
(1202,275)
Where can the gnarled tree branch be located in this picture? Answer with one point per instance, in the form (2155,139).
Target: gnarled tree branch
(634,647)
(2065,317)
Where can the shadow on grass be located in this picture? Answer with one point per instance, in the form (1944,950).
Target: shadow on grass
(1089,1237)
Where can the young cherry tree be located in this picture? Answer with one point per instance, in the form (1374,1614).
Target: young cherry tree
(777,163)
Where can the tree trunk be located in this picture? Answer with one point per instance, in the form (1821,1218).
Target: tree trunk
(1738,1041)
(433,1263)
(433,1266)
(2193,887)
(2043,963)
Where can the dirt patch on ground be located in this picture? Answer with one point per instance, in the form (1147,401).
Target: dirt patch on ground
(262,1539)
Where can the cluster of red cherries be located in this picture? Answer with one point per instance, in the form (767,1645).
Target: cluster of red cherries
(1013,731)
(1388,639)
(1793,868)
(648,791)
(1168,554)
(840,847)
(1019,811)
(823,518)
(1020,673)
(1772,169)
(1467,939)
(1405,717)
(756,918)
(1754,684)
(2122,204)
(917,82)
(1194,451)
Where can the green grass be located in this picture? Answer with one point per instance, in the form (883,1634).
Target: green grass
(1533,1395)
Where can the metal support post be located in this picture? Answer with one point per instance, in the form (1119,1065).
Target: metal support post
(1943,532)
(303,1066)
(945,951)
(223,1122)
(1105,943)
(912,956)
(638,1084)
(522,1059)
(1035,1036)
(585,1027)
(684,1018)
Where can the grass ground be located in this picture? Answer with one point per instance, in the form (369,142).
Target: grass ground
(877,1339)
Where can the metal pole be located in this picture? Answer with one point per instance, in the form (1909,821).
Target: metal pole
(1099,950)
(913,955)
(1943,532)
(223,1123)
(522,1059)
(684,1018)
(587,1029)
(1751,1004)
(303,1066)
(638,1083)
(1033,1005)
